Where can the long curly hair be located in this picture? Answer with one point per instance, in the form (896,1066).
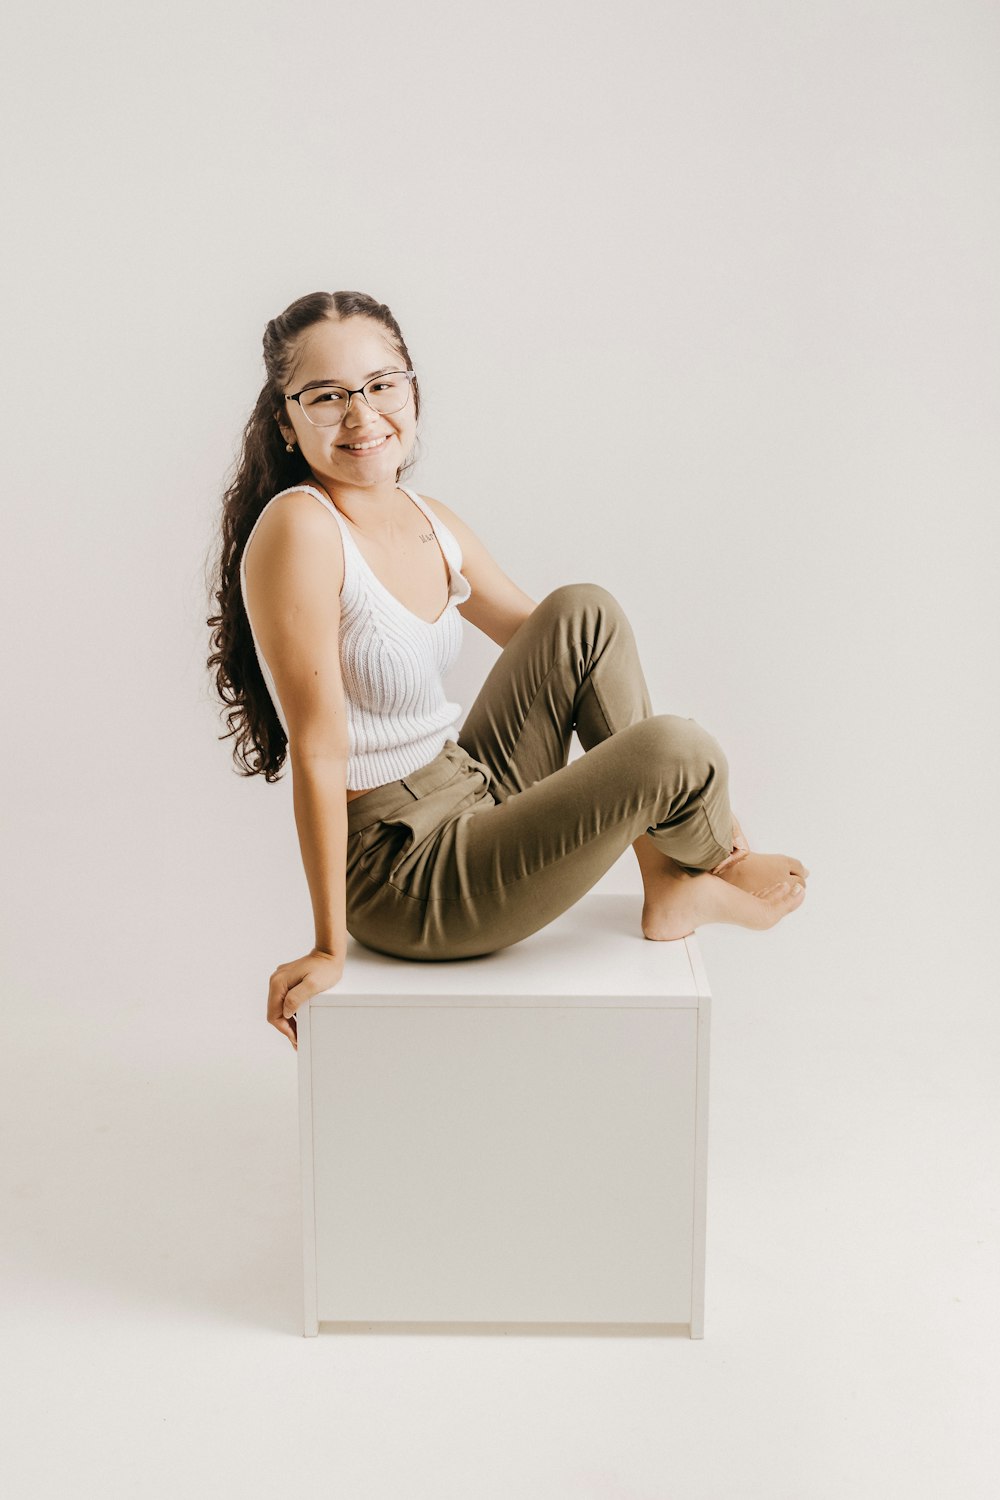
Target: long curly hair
(262,468)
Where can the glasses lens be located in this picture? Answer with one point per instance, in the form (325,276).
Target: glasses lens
(388,392)
(325,405)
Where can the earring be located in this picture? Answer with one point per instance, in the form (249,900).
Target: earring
(290,447)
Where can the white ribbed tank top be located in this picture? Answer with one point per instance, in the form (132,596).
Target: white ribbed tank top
(392,661)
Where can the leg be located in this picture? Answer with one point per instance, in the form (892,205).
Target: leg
(489,874)
(574,664)
(545,831)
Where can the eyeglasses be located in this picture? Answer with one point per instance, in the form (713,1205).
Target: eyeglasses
(328,405)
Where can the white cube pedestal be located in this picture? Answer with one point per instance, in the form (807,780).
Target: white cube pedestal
(514,1139)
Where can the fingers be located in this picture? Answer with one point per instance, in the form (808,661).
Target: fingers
(293,984)
(296,995)
(285,994)
(276,992)
(277,1013)
(287,1028)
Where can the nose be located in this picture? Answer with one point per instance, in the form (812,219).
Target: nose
(359,414)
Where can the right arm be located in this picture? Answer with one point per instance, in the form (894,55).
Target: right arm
(294,570)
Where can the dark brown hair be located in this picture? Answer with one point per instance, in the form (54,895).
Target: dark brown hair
(262,468)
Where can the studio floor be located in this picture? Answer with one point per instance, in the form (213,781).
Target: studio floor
(152,1282)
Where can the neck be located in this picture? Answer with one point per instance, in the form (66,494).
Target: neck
(375,511)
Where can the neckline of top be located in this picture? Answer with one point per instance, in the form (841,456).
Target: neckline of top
(425,511)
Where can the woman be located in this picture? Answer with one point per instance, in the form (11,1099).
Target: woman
(340,593)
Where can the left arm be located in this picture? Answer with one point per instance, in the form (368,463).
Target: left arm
(496,605)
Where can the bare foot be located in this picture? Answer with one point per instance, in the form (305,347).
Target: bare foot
(676,904)
(755,872)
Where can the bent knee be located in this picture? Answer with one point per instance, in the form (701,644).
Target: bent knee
(581,595)
(669,737)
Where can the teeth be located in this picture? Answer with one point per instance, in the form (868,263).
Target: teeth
(375,443)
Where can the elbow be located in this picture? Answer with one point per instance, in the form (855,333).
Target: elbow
(516,624)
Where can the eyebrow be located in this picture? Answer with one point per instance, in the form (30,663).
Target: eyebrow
(370,376)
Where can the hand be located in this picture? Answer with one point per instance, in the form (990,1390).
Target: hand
(294,983)
(737,854)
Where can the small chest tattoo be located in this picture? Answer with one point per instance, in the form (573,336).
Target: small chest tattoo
(427,536)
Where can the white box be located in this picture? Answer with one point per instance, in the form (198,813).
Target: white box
(519,1138)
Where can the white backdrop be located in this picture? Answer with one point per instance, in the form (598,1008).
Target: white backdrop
(761,239)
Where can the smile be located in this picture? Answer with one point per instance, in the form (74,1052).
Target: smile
(365,447)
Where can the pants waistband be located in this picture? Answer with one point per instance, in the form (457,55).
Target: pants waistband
(382,801)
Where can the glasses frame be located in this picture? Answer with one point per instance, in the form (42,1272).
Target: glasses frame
(411,375)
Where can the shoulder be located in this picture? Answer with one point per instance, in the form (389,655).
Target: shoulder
(477,562)
(296,502)
(497,605)
(438,507)
(297,511)
(476,558)
(465,536)
(294,522)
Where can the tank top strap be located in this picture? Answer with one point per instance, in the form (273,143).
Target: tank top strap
(325,500)
(358,572)
(351,551)
(447,538)
(312,490)
(437,525)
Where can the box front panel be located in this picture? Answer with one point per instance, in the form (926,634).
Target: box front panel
(516,1163)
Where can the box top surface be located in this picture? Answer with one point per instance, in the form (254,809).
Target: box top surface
(594,949)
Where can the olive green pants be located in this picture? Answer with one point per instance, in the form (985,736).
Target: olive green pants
(498,835)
